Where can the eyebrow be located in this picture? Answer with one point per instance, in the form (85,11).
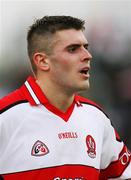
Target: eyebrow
(77,45)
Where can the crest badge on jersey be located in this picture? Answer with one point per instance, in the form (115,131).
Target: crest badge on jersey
(91,146)
(39,149)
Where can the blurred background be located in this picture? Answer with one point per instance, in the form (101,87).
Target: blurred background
(108,30)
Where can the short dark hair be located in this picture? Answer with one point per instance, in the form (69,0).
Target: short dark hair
(38,37)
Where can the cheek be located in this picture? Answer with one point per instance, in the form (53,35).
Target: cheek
(64,64)
(68,64)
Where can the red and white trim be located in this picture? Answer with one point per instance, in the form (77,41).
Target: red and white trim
(32,92)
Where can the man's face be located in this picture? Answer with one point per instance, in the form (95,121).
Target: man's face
(70,61)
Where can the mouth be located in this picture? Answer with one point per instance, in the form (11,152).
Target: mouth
(85,72)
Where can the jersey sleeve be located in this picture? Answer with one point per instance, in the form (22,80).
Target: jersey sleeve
(115,157)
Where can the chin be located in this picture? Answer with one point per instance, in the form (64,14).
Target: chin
(84,87)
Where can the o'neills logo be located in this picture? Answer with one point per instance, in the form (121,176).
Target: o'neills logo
(67,135)
(91,146)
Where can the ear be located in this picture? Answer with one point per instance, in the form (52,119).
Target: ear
(41,61)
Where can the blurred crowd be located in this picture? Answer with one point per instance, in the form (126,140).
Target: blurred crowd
(111,74)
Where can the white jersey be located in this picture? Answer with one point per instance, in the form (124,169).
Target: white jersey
(39,142)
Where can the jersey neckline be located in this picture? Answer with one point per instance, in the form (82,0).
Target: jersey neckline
(36,96)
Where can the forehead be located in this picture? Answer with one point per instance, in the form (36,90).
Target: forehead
(71,36)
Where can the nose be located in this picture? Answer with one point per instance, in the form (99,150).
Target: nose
(86,55)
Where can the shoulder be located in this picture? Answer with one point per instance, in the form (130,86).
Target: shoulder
(84,100)
(14,98)
(89,102)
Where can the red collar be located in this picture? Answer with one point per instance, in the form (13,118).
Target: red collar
(36,97)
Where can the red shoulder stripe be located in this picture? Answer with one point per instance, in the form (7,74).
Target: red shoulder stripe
(11,99)
(85,100)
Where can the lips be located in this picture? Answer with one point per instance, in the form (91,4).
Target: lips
(84,70)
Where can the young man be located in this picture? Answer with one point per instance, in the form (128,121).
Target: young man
(47,131)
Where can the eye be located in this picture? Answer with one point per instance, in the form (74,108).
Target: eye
(86,46)
(73,48)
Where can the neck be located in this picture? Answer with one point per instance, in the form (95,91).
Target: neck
(56,96)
